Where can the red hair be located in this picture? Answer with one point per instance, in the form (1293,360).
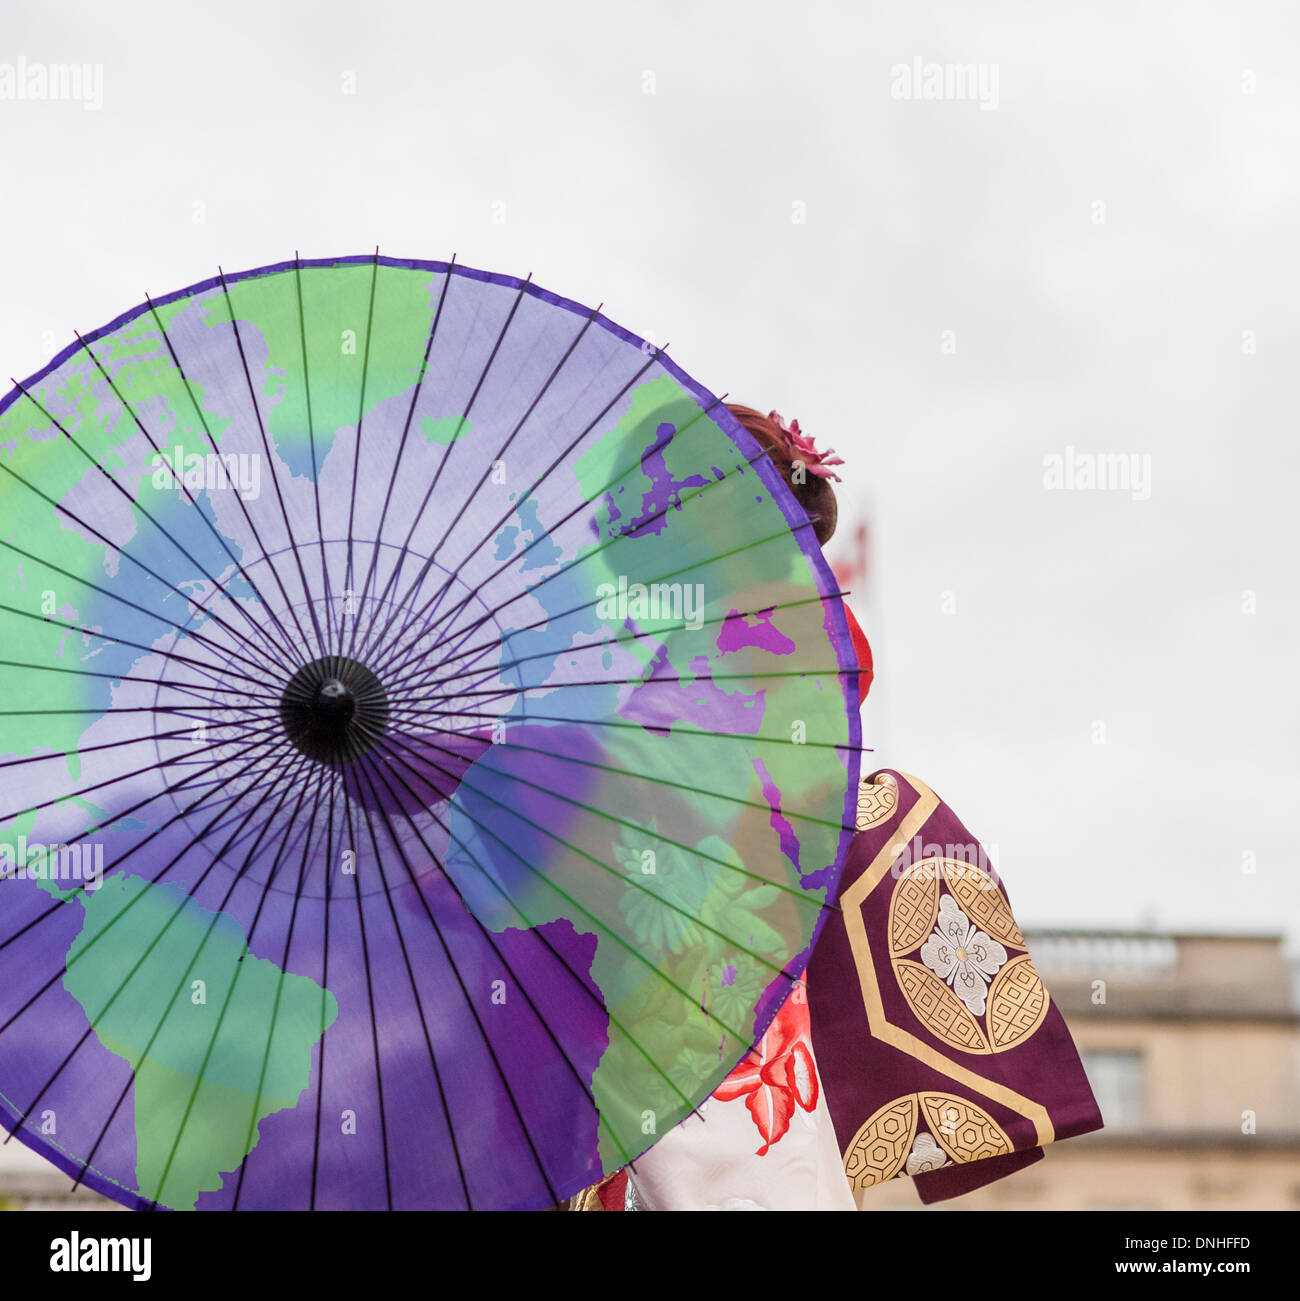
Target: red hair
(814,493)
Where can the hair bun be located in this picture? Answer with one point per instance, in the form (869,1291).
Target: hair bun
(803,467)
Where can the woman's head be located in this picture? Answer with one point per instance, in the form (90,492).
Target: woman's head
(804,468)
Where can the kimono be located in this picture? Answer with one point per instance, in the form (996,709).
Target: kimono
(922,1043)
(943,1056)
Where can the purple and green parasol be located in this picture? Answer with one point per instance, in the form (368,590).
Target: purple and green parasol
(427,743)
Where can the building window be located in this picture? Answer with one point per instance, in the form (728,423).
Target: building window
(1118,1081)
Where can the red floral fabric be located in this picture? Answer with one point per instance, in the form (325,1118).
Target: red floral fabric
(780,1075)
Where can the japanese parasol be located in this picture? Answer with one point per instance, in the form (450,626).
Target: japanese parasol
(428,739)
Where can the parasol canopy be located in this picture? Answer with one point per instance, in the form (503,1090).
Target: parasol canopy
(428,742)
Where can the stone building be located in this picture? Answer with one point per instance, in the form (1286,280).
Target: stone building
(1192,1044)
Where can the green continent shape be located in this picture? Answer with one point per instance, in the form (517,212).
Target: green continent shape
(231,1060)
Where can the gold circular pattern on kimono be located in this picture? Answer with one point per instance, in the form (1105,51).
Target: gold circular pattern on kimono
(913,907)
(982,902)
(939,1009)
(1017,1003)
(877,801)
(966,1132)
(879,1149)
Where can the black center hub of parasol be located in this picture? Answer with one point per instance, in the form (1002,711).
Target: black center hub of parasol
(334,710)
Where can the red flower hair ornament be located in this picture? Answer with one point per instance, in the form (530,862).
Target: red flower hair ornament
(802,448)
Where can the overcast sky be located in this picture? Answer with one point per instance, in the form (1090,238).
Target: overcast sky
(1089,246)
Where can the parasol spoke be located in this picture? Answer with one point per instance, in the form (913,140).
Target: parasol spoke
(240,967)
(260,669)
(271,460)
(604,867)
(662,729)
(498,954)
(283,632)
(311,431)
(187,660)
(513,904)
(361,413)
(401,446)
(418,678)
(286,641)
(324,1003)
(324,777)
(487,533)
(374,1022)
(196,689)
(275,743)
(135,505)
(91,749)
(217,858)
(446,456)
(590,553)
(98,1019)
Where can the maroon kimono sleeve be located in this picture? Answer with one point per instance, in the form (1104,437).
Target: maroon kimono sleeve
(939,1049)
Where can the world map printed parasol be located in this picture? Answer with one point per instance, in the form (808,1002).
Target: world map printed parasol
(427,746)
